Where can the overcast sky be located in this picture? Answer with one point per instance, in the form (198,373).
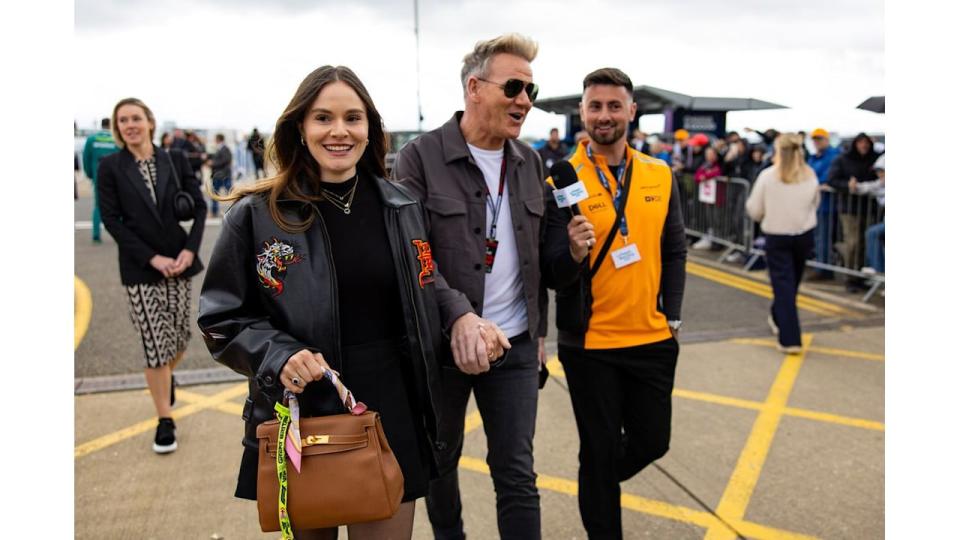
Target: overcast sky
(236,63)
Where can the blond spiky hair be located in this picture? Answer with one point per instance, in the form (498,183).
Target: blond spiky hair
(476,62)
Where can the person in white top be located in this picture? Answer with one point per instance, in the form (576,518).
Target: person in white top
(784,200)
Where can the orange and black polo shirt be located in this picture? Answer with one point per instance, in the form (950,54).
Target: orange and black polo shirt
(625,301)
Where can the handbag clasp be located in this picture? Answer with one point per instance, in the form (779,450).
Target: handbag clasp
(316,439)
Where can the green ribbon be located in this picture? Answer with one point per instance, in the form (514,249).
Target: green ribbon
(283,415)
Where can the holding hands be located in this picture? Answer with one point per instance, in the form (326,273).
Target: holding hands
(476,343)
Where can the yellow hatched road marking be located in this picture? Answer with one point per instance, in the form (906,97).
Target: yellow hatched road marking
(746,474)
(228,407)
(132,431)
(648,506)
(822,350)
(835,419)
(557,369)
(82,308)
(762,289)
(719,400)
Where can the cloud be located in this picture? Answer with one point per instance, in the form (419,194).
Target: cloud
(218,64)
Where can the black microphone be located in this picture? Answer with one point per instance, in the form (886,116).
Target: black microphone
(564,176)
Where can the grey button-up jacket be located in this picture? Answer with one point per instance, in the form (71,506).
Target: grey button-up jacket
(438,168)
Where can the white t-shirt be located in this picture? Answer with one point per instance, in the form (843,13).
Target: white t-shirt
(503,299)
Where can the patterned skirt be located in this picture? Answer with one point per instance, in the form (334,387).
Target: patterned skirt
(161,315)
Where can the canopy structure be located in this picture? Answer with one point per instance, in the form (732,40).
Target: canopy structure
(876,104)
(704,114)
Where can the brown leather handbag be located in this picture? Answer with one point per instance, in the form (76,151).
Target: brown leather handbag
(348,474)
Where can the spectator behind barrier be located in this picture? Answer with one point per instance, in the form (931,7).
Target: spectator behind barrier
(708,170)
(856,165)
(875,236)
(826,231)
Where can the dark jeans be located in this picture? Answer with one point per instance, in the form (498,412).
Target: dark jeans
(876,250)
(220,187)
(507,399)
(96,212)
(622,403)
(786,257)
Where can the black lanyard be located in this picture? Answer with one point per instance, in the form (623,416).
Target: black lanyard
(495,208)
(491,243)
(618,198)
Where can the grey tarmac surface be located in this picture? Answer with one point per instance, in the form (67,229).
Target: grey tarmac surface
(799,442)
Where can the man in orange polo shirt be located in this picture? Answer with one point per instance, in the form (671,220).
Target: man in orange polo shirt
(618,306)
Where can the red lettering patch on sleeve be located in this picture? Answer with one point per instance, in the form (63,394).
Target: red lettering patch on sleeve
(426,262)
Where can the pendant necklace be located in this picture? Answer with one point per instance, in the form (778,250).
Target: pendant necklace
(343,202)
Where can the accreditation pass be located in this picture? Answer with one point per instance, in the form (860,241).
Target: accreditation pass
(625,256)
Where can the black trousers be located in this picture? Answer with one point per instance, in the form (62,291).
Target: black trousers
(507,400)
(622,403)
(786,258)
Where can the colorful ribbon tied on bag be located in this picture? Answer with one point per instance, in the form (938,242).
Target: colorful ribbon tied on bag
(294,443)
(355,407)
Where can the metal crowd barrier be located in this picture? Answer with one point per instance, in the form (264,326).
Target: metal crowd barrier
(840,236)
(720,216)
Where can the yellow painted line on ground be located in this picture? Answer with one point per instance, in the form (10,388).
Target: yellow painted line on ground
(835,419)
(557,369)
(736,497)
(647,506)
(132,431)
(822,350)
(228,407)
(82,308)
(719,400)
(762,289)
(848,353)
(472,422)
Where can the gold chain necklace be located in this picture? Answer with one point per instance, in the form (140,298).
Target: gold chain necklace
(343,202)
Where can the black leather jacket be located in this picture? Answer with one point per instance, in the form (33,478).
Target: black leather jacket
(253,329)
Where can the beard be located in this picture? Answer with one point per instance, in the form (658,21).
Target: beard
(618,131)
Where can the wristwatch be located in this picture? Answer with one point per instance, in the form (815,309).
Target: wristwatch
(675,326)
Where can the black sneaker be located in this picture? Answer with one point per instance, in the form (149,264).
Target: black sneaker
(165,441)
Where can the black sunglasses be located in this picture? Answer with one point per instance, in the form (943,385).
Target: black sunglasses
(513,87)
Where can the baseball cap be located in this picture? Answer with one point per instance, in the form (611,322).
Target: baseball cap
(681,134)
(820,132)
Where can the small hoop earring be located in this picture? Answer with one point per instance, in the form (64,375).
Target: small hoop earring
(301,141)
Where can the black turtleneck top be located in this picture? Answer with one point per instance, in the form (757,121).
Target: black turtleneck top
(368,293)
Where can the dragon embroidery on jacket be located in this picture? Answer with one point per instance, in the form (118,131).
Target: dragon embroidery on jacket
(272,264)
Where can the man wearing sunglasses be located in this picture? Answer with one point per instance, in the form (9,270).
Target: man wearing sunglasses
(483,192)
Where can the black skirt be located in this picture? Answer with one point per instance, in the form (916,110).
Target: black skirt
(379,374)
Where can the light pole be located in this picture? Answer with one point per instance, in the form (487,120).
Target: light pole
(416,32)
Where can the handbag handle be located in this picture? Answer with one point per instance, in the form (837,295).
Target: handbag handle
(173,168)
(346,396)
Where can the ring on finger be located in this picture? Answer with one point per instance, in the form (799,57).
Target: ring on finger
(295,381)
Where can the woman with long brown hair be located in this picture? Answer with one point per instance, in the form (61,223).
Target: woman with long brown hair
(784,200)
(327,264)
